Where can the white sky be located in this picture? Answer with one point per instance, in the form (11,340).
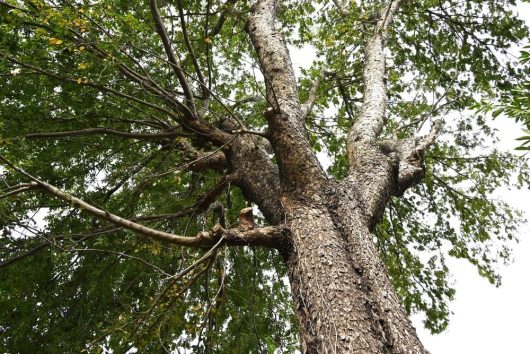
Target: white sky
(489,320)
(485,320)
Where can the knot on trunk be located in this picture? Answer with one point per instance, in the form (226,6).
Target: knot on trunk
(246,219)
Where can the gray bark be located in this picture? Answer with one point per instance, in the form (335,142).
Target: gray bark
(343,296)
(344,299)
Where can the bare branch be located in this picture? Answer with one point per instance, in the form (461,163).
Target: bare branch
(120,254)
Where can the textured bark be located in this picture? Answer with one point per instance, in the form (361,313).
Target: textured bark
(297,163)
(344,299)
(256,176)
(343,296)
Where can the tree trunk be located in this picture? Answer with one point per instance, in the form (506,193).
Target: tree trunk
(344,300)
(343,296)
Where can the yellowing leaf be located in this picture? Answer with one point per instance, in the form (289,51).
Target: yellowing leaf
(155,249)
(208,40)
(80,80)
(82,66)
(55,41)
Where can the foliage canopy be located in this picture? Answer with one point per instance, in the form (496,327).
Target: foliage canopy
(99,68)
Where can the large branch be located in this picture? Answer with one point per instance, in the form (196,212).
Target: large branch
(282,92)
(298,165)
(271,236)
(372,118)
(373,168)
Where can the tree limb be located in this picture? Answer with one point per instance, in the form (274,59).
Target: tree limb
(19,188)
(298,165)
(307,106)
(372,118)
(227,7)
(270,236)
(100,130)
(198,70)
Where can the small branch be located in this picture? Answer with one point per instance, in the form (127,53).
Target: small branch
(210,255)
(22,256)
(90,84)
(196,161)
(246,100)
(227,7)
(121,254)
(161,30)
(265,134)
(308,105)
(98,130)
(199,261)
(205,92)
(411,169)
(19,188)
(340,5)
(428,140)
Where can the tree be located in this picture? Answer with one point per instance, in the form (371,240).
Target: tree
(130,126)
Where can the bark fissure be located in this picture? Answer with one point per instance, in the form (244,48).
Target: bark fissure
(343,296)
(400,336)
